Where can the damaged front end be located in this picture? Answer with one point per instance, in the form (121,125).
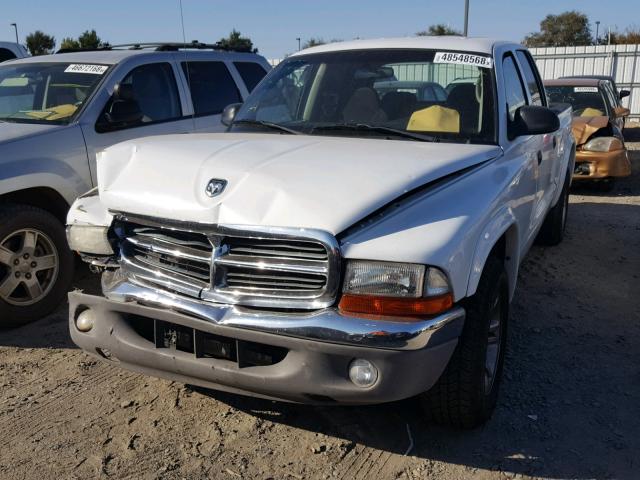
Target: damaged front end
(601,153)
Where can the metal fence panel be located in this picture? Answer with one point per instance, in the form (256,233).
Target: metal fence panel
(619,61)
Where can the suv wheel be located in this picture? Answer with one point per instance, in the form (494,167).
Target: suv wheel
(36,266)
(466,393)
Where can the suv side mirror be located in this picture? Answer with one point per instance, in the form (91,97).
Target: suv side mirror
(534,120)
(229,113)
(624,93)
(621,112)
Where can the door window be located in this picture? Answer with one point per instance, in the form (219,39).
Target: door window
(251,73)
(516,96)
(212,87)
(148,94)
(6,54)
(532,80)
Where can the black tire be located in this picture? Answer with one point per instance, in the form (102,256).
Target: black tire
(462,397)
(55,284)
(552,230)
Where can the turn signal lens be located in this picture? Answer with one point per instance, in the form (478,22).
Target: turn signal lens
(394,306)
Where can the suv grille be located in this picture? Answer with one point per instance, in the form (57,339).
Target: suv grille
(275,268)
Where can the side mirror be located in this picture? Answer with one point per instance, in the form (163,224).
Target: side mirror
(229,113)
(534,120)
(624,93)
(621,112)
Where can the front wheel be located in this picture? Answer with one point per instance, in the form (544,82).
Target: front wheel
(36,265)
(466,393)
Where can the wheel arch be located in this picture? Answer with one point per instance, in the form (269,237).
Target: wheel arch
(45,198)
(499,239)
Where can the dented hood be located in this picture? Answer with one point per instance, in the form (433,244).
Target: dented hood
(302,181)
(584,127)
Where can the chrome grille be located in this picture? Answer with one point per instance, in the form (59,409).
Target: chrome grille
(254,267)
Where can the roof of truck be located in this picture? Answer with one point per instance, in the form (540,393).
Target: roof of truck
(445,42)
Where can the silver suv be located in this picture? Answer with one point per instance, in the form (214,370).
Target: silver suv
(57,111)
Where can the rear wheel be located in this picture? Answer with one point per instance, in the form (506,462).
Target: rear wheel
(552,231)
(466,393)
(36,266)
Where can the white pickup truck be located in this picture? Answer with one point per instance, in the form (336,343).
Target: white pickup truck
(354,238)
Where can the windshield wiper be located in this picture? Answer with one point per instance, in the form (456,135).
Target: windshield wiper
(262,123)
(375,128)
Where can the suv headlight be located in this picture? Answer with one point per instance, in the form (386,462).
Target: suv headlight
(404,290)
(603,144)
(89,239)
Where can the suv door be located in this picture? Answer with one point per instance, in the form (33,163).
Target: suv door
(151,88)
(212,88)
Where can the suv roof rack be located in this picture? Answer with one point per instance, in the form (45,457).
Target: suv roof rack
(161,47)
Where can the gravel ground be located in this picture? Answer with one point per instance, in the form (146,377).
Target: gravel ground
(569,405)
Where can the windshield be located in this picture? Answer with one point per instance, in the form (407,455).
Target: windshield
(586,101)
(46,92)
(437,96)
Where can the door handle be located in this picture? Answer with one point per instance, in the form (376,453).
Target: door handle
(539,157)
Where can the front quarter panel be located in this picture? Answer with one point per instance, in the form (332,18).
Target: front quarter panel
(454,226)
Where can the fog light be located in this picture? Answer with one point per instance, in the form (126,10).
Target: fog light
(363,373)
(85,321)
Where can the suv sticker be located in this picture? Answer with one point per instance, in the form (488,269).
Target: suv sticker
(463,59)
(585,89)
(86,68)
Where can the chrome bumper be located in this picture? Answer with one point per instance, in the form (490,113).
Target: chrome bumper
(327,325)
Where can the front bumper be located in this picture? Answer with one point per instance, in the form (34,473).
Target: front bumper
(318,347)
(600,165)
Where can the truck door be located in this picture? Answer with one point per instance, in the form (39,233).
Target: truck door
(546,156)
(526,149)
(147,103)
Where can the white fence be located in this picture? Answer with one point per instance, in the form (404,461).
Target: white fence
(622,62)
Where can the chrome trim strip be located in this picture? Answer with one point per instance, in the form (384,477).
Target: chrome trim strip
(326,325)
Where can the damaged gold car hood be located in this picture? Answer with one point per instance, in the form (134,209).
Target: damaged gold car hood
(584,127)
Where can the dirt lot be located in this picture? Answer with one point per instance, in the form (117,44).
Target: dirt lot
(569,406)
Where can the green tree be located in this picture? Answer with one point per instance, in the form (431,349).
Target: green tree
(39,43)
(235,41)
(313,42)
(90,40)
(566,29)
(438,30)
(69,43)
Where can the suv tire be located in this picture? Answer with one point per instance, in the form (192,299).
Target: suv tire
(552,231)
(36,265)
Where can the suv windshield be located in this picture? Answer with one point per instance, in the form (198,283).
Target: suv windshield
(586,101)
(46,92)
(409,94)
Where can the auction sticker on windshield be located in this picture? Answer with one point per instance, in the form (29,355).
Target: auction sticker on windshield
(585,89)
(463,59)
(86,68)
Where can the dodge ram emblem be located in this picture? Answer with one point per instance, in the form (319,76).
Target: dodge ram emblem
(215,187)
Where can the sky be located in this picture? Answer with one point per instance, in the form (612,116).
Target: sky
(274,25)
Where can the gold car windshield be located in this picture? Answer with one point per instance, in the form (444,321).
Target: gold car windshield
(585,101)
(46,92)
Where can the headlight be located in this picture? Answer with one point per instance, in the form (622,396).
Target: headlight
(394,289)
(89,239)
(603,144)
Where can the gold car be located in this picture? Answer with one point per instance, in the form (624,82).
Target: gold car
(597,127)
